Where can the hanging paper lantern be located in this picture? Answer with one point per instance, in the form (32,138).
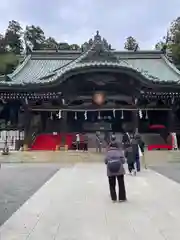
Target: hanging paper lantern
(122,114)
(75,115)
(140,114)
(85,115)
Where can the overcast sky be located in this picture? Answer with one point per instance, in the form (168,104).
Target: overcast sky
(75,21)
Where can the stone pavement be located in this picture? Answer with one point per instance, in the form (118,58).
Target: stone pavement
(152,157)
(18,182)
(74,204)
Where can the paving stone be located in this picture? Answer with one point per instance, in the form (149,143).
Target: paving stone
(75,204)
(18,182)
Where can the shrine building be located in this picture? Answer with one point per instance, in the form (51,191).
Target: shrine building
(88,90)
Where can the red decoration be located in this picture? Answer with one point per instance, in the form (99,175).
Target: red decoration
(157,126)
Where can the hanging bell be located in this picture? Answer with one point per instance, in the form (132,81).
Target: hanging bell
(75,115)
(122,114)
(99,115)
(114,113)
(146,117)
(85,115)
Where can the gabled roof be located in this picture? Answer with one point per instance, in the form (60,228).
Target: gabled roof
(43,67)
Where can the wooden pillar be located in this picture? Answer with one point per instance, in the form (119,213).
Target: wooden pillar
(171,120)
(26,128)
(64,126)
(135,121)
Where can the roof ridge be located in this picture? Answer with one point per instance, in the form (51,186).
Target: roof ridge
(92,45)
(171,65)
(20,67)
(76,60)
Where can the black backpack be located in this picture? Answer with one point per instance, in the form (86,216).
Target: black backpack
(114,164)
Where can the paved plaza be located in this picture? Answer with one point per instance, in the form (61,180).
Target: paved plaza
(75,204)
(18,182)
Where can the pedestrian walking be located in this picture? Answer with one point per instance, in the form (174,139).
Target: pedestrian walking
(77,142)
(85,143)
(126,139)
(115,171)
(107,138)
(130,160)
(113,136)
(141,149)
(136,154)
(98,142)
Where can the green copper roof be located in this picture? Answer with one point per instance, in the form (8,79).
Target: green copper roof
(33,70)
(43,67)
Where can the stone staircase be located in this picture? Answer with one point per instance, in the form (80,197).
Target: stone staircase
(148,138)
(92,139)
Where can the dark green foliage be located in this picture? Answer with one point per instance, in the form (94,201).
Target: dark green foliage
(15,40)
(131,44)
(12,37)
(171,42)
(35,36)
(8,62)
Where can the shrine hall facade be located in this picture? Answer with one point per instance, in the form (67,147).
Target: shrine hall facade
(92,89)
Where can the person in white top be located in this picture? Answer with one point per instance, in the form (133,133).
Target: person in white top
(77,142)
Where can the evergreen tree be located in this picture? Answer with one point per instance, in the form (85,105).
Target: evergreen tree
(13,37)
(131,44)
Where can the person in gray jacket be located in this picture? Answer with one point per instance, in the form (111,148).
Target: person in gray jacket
(115,170)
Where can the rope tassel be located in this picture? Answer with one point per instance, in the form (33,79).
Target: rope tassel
(140,114)
(122,114)
(85,115)
(59,114)
(75,115)
(114,113)
(99,115)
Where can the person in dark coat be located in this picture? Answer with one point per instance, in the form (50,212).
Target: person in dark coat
(135,149)
(126,139)
(85,143)
(130,160)
(113,136)
(107,138)
(114,160)
(113,140)
(140,142)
